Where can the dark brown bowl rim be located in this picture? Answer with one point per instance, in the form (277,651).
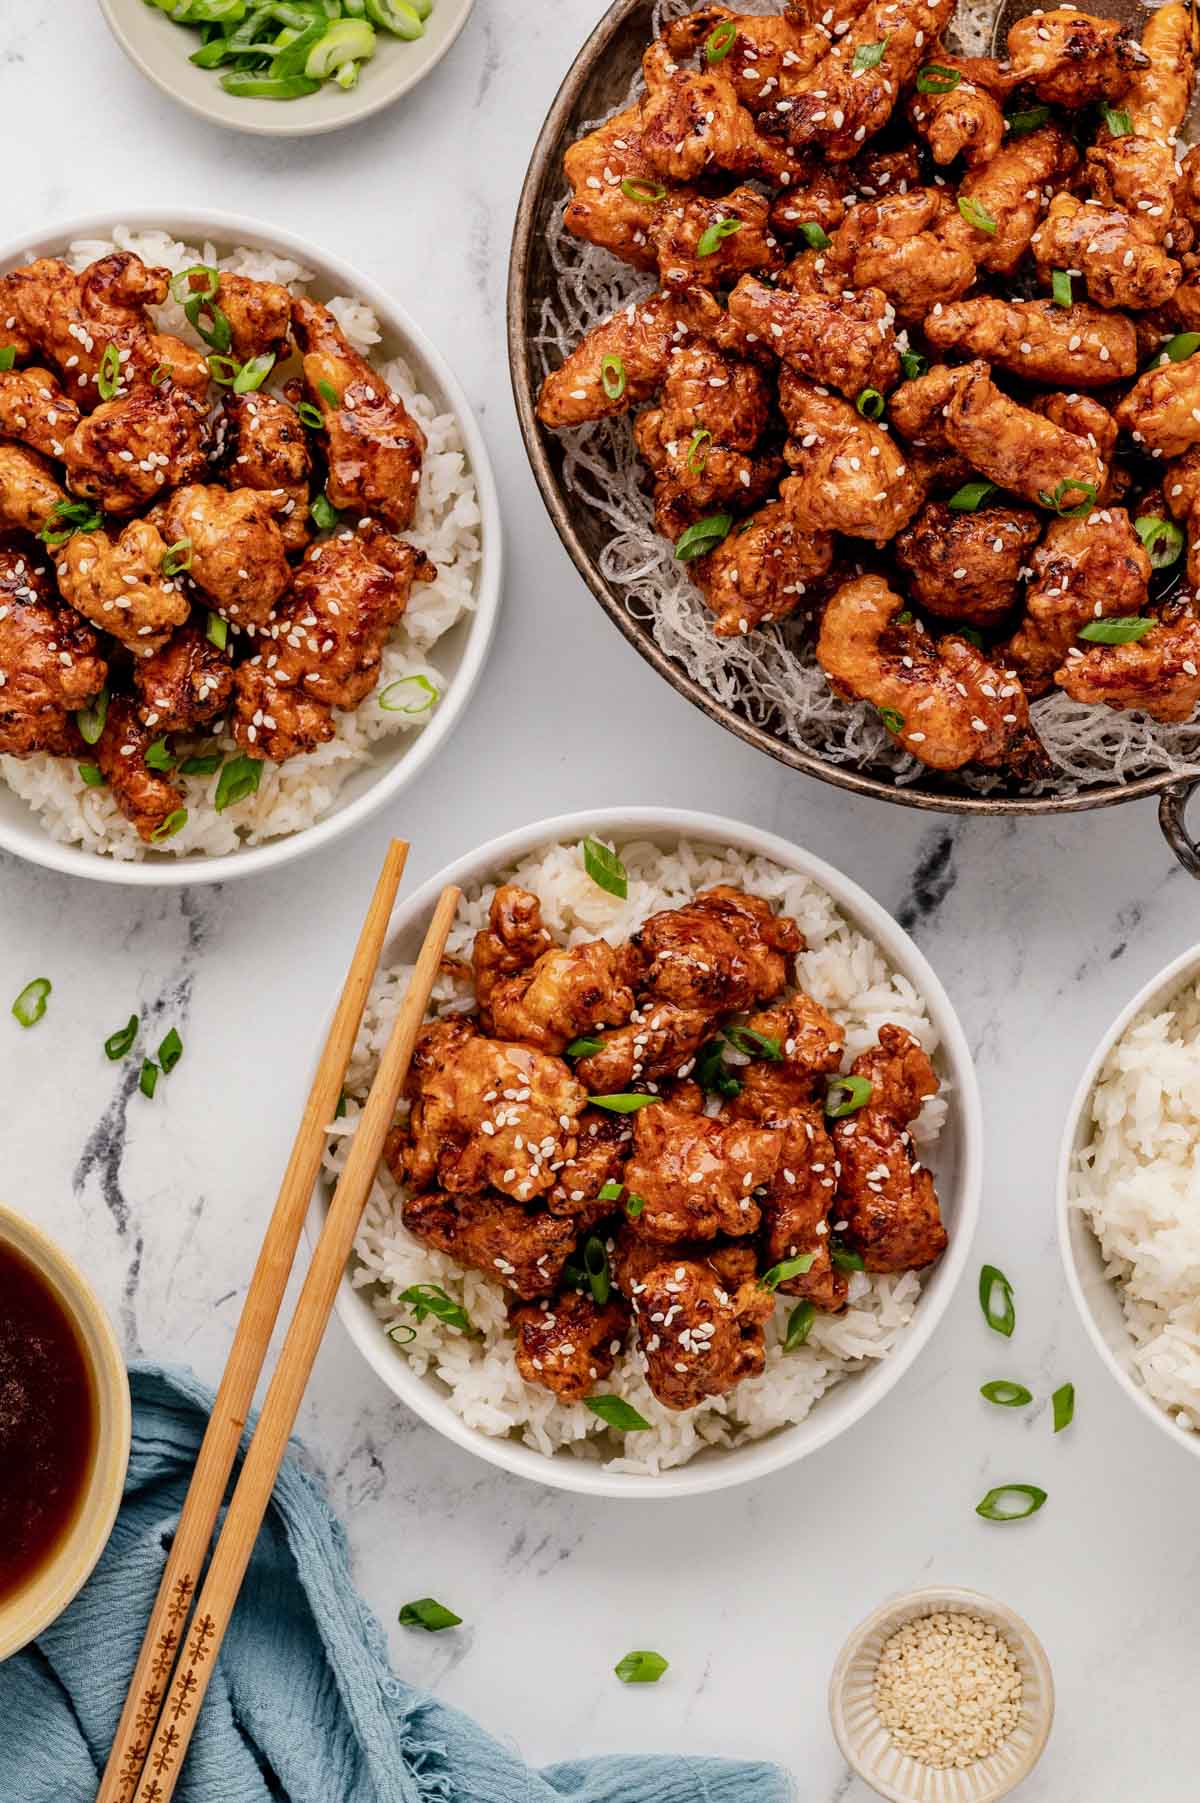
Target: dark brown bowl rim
(543,167)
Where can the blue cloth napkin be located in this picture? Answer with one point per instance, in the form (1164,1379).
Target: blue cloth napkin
(303,1706)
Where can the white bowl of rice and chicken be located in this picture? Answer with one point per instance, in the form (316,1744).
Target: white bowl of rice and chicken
(249,549)
(688,1162)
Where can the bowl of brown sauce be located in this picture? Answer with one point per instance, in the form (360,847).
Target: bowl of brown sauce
(64,1431)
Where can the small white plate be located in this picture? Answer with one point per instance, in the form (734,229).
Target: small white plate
(160,49)
(866,1744)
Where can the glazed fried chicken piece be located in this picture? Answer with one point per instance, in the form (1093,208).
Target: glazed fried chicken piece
(706,388)
(160,358)
(84,323)
(1018,449)
(1084,569)
(185,684)
(850,475)
(118,584)
(769,53)
(886,1197)
(129,450)
(849,344)
(640,338)
(740,222)
(34,409)
(1160,411)
(569,993)
(513,940)
(819,199)
(328,635)
(697,1176)
(796,1209)
(693,124)
(1078,346)
(1084,417)
(917,410)
(525,1249)
(698,440)
(699,1338)
(604,1144)
(1105,245)
(1137,171)
(146,797)
(615,200)
(722,952)
(238,559)
(1159,674)
(486,1114)
(567,1343)
(660,1040)
(49,659)
(1071,58)
(373,447)
(264,446)
(899,1072)
(1010,191)
(966,566)
(259,314)
(29,490)
(762,571)
(802,1044)
(909,244)
(963,120)
(953,706)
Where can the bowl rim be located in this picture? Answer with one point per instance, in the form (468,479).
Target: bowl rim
(261,122)
(224,227)
(557,503)
(928,1600)
(79,1551)
(775,1451)
(1172,976)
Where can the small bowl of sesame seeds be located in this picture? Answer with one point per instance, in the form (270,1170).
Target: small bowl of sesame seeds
(942,1696)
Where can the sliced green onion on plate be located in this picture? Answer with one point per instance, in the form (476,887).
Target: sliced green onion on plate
(30,1005)
(616,1413)
(1005,1395)
(641,1668)
(1011,1502)
(1000,1316)
(605,868)
(426,1612)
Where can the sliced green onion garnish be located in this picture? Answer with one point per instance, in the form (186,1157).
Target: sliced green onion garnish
(120,1043)
(344,41)
(398,17)
(869,56)
(584,1048)
(996,1505)
(409,695)
(223,370)
(148,1077)
(325,515)
(216,631)
(1006,1395)
(329,394)
(8,355)
(870,403)
(636,187)
(1030,118)
(913,364)
(641,1668)
(66,518)
(1060,288)
(702,537)
(90,720)
(1063,1403)
(712,1073)
(790,1267)
(30,1005)
(697,454)
(976,214)
(612,376)
(605,868)
(174,823)
(203,764)
(595,1265)
(846,1095)
(170,1052)
(799,1326)
(971,495)
(720,41)
(431,1299)
(160,373)
(935,78)
(254,373)
(207,319)
(177,558)
(845,1257)
(622,1104)
(1182,346)
(184,290)
(634,1206)
(266,87)
(240,777)
(109,378)
(1126,629)
(610,1192)
(1117,121)
(1001,1317)
(92,775)
(158,756)
(815,236)
(1162,538)
(312,416)
(754,1045)
(401,1334)
(714,235)
(615,1412)
(892,719)
(1061,499)
(426,1612)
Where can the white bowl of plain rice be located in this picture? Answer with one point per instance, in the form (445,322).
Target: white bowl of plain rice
(1129,1199)
(865,970)
(48,813)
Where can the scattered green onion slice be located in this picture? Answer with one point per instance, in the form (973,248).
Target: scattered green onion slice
(403,19)
(892,719)
(935,78)
(623,1104)
(8,355)
(183,289)
(815,236)
(66,518)
(240,777)
(971,495)
(1063,1404)
(636,187)
(584,1048)
(1117,121)
(1126,629)
(161,373)
(174,823)
(871,403)
(402,1334)
(704,536)
(148,1077)
(431,1299)
(612,376)
(615,1412)
(266,87)
(170,1052)
(92,775)
(799,1326)
(90,720)
(905,618)
(426,1612)
(253,373)
(720,41)
(995,1506)
(1060,288)
(913,364)
(595,1265)
(713,1074)
(697,456)
(634,1206)
(216,631)
(845,1257)
(177,558)
(1182,346)
(223,370)
(976,214)
(325,515)
(605,868)
(972,635)
(343,42)
(207,319)
(754,1045)
(311,416)
(1002,1317)
(713,236)
(329,394)
(158,756)
(1058,500)
(642,1667)
(1162,538)
(108,379)
(1006,1395)
(203,764)
(118,1044)
(1030,118)
(409,695)
(30,1005)
(789,1268)
(855,1093)
(869,56)
(610,1192)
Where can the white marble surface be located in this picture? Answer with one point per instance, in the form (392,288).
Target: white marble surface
(1040,931)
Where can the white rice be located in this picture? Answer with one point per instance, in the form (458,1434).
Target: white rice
(1138,1180)
(843,969)
(446,527)
(771,676)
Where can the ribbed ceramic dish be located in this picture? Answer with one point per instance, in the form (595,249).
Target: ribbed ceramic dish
(865,1743)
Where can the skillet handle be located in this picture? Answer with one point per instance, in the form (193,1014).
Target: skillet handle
(1172,818)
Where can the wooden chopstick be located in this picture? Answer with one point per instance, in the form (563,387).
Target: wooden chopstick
(231,1555)
(172,1606)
